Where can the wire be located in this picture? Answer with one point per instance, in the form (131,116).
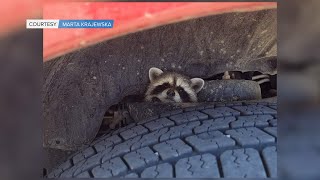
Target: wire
(260,76)
(263,81)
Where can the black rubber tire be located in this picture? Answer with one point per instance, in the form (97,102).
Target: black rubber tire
(221,140)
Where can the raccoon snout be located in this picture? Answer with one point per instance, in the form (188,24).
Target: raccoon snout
(171,93)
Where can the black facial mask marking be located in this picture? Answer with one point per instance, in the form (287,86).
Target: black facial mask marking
(183,94)
(160,88)
(155,99)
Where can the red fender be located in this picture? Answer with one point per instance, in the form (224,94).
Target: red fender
(128,17)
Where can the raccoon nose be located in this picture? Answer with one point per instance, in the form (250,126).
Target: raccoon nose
(170,93)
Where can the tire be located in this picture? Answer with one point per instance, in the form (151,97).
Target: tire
(207,141)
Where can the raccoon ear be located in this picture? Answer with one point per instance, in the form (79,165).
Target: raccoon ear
(197,84)
(154,73)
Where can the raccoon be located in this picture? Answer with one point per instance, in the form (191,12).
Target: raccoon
(172,87)
(163,87)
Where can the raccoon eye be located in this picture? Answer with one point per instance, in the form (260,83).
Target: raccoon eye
(167,85)
(180,89)
(183,94)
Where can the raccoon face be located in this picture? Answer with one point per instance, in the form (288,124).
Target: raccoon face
(172,87)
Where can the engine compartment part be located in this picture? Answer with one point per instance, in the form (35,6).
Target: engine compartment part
(267,82)
(229,90)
